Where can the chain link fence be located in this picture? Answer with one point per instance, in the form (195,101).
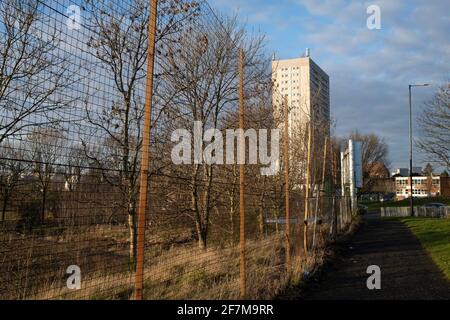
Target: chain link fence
(73,95)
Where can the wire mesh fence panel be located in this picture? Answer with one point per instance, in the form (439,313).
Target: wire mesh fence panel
(73,95)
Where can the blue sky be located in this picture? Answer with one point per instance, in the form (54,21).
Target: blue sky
(369,69)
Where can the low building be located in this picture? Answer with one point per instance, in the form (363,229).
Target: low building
(422,187)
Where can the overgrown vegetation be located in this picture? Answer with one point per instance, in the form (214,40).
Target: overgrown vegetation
(183,271)
(71,123)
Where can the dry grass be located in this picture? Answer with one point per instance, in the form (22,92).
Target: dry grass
(179,271)
(192,273)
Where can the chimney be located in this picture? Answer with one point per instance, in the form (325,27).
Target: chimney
(307,52)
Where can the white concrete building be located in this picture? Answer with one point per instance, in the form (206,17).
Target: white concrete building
(305,87)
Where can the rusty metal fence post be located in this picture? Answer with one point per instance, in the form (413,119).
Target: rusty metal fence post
(308,165)
(145,151)
(320,192)
(286,177)
(242,270)
(333,192)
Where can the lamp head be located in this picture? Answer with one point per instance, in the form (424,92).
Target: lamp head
(420,85)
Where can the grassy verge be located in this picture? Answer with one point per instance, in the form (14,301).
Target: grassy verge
(434,234)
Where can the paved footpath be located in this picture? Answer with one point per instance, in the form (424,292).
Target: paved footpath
(407,271)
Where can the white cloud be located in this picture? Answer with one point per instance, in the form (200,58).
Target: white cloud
(369,69)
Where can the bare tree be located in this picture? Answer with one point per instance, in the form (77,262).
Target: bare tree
(12,168)
(119,42)
(428,172)
(374,154)
(258,113)
(74,167)
(46,147)
(200,86)
(31,74)
(435,126)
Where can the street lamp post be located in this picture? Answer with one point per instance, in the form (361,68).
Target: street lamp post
(411,148)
